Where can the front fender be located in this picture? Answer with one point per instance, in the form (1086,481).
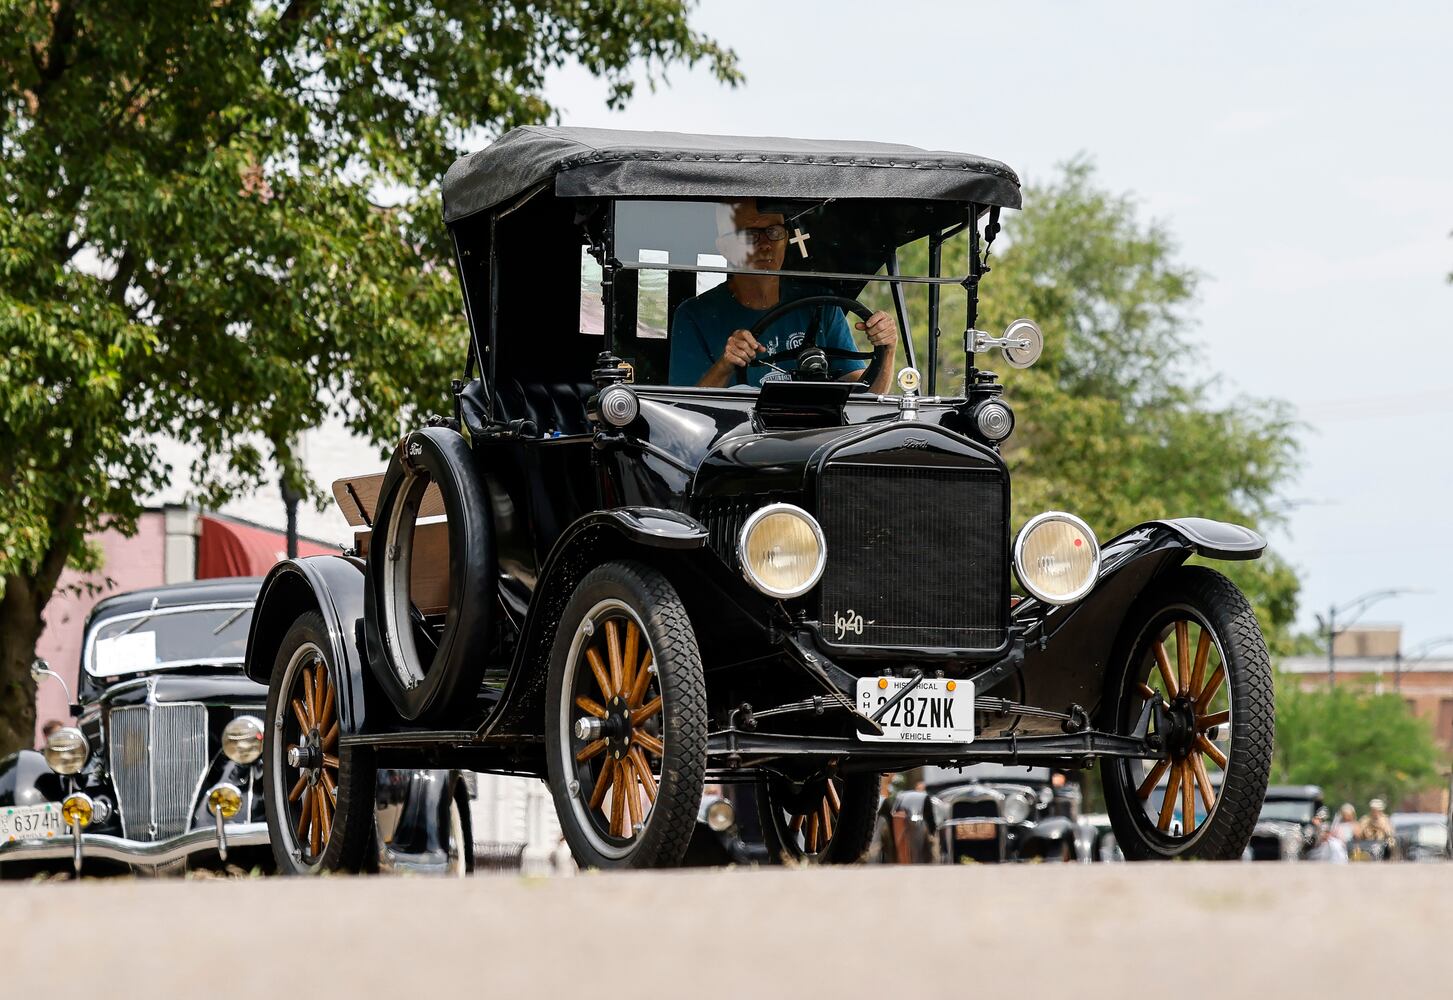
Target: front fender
(1068,649)
(27,780)
(650,534)
(332,586)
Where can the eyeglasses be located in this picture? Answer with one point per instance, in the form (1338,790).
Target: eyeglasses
(763,234)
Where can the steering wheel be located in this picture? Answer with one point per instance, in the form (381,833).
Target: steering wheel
(814,367)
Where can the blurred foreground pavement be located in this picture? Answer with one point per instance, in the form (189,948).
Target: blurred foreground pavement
(1034,930)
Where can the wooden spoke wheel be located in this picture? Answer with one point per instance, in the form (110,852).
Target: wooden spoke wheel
(1200,664)
(823,820)
(319,796)
(628,727)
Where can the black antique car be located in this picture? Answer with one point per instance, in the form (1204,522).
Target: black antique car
(680,526)
(1283,830)
(160,771)
(997,813)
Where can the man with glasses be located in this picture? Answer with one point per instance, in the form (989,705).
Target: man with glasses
(710,340)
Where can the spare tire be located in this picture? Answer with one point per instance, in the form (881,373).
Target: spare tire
(425,671)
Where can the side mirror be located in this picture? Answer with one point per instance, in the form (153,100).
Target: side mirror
(1025,343)
(1022,343)
(40,670)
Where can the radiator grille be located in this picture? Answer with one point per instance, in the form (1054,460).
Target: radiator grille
(919,556)
(158,756)
(967,808)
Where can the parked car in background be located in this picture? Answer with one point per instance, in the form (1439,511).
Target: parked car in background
(993,813)
(1284,831)
(910,831)
(160,770)
(1421,836)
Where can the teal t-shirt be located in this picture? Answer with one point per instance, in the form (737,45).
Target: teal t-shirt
(700,329)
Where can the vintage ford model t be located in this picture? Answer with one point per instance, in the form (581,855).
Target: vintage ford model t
(161,772)
(678,528)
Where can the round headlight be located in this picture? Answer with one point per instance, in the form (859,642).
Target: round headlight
(77,810)
(1017,806)
(1056,557)
(782,550)
(720,816)
(618,405)
(226,799)
(994,419)
(66,750)
(242,739)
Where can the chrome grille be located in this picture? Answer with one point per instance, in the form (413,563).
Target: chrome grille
(158,757)
(918,554)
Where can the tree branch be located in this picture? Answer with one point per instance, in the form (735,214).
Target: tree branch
(125,268)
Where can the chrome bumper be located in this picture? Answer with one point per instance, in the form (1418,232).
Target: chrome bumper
(145,854)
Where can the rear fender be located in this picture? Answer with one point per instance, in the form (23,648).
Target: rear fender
(332,586)
(1068,649)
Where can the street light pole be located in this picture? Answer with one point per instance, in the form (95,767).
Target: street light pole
(1354,609)
(1418,656)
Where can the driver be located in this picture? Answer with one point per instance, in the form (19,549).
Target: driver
(709,334)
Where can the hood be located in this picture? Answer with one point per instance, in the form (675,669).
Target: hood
(210,689)
(788,461)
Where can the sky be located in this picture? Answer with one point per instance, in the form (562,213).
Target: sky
(1301,155)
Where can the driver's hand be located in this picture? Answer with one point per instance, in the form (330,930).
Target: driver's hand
(881,329)
(741,348)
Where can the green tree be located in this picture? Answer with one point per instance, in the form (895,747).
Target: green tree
(1355,744)
(221,223)
(1116,422)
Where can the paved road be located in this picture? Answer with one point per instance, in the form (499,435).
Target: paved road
(963,933)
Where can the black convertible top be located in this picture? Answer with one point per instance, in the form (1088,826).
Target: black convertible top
(613,163)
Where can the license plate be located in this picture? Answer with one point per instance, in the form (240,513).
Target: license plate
(30,822)
(937,710)
(974,831)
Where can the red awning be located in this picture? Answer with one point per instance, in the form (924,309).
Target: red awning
(233,548)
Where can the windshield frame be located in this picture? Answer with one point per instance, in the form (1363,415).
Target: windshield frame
(601,244)
(88,651)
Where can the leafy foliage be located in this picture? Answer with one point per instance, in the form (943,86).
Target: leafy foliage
(1116,422)
(1354,743)
(221,222)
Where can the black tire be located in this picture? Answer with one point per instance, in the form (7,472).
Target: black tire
(780,803)
(428,679)
(350,827)
(1236,651)
(622,596)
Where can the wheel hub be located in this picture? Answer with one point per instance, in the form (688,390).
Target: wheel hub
(617,728)
(1181,735)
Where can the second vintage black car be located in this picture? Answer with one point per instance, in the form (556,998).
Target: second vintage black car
(694,519)
(160,771)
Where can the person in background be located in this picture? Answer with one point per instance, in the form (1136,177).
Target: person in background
(1375,825)
(1345,829)
(50,726)
(1326,845)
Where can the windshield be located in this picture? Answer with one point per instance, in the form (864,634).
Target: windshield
(169,637)
(1291,810)
(696,273)
(830,239)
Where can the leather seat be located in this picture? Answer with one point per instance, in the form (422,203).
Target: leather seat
(553,406)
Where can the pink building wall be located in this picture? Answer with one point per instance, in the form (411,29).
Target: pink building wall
(129,564)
